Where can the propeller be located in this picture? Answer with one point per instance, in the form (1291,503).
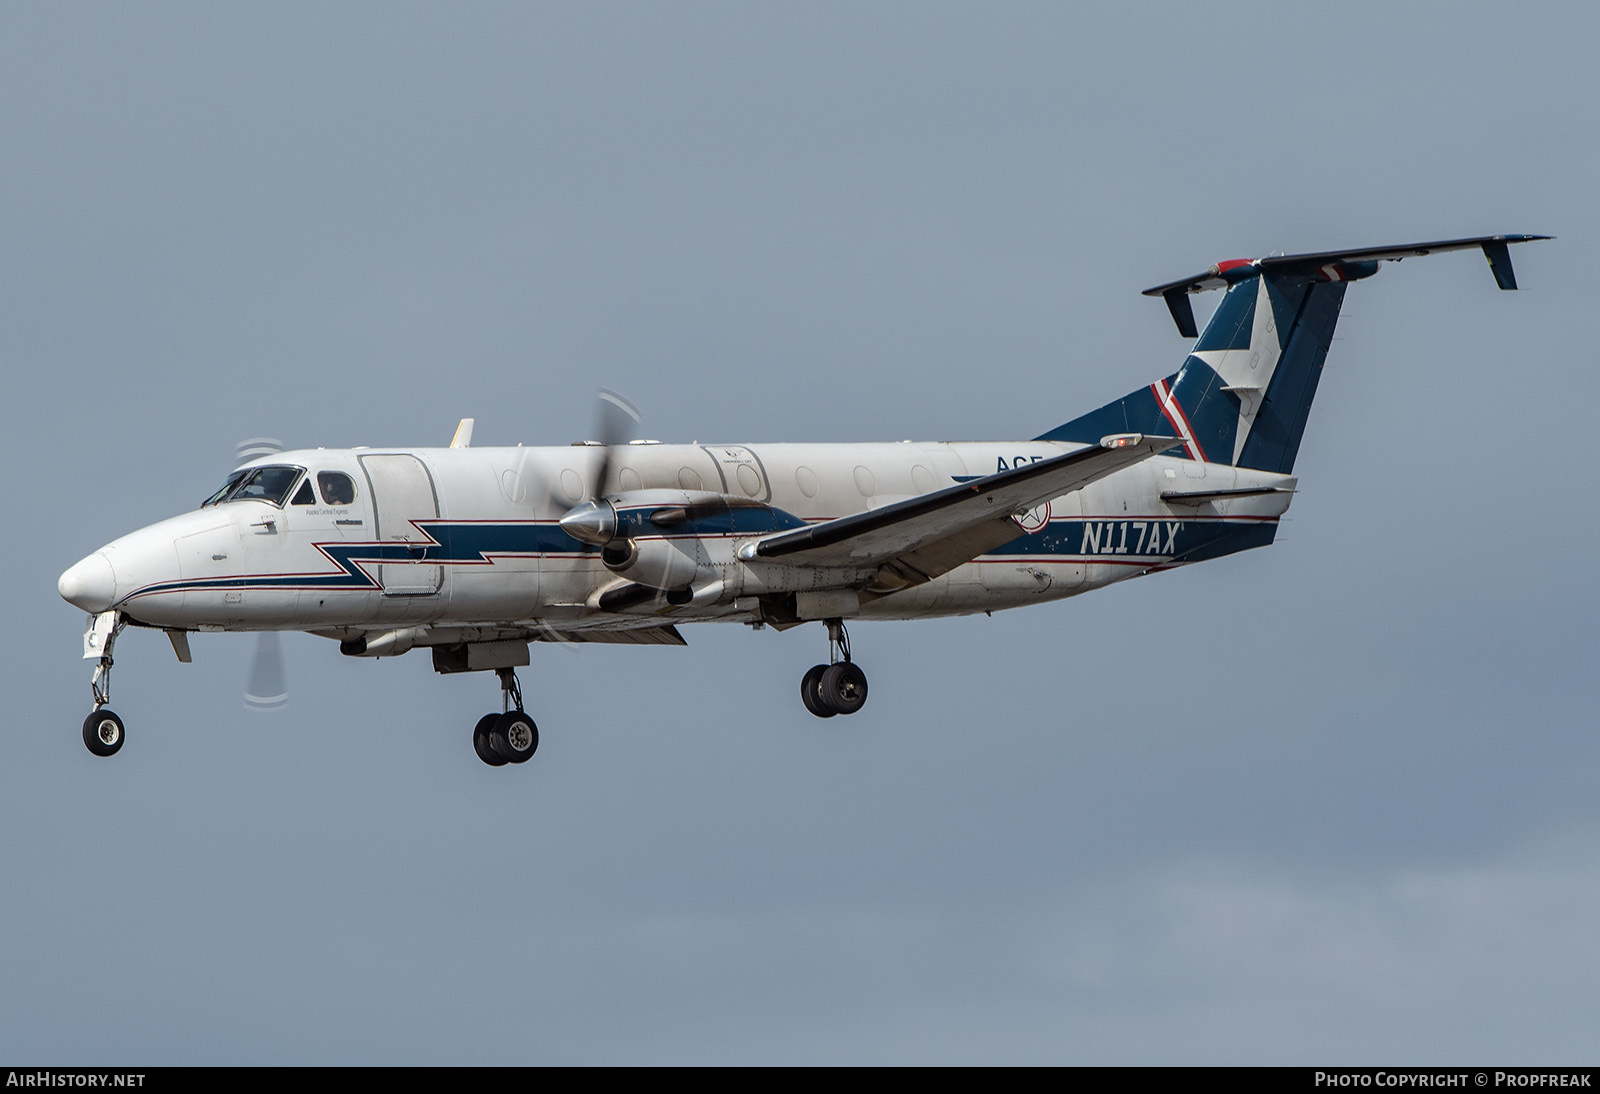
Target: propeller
(616,420)
(592,520)
(253,448)
(267,686)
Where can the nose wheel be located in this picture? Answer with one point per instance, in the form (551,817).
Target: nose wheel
(511,736)
(103,733)
(839,687)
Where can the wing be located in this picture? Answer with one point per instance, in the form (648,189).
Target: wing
(920,538)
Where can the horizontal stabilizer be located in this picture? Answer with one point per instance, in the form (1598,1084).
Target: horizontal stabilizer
(1331,266)
(1200,497)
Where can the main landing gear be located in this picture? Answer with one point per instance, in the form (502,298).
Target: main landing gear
(102,730)
(510,737)
(839,687)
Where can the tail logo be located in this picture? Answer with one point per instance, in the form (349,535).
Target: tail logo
(1034,520)
(1247,370)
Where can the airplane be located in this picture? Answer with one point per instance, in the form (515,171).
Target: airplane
(475,553)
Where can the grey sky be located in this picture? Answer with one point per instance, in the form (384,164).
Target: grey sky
(1327,802)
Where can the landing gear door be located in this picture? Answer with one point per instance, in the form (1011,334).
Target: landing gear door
(402,493)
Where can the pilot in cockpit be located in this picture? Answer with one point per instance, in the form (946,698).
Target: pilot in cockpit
(337,489)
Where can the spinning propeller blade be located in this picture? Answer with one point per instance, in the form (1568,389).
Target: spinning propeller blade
(616,420)
(267,686)
(255,447)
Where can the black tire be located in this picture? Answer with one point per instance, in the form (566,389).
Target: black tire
(843,688)
(811,692)
(515,737)
(103,733)
(480,741)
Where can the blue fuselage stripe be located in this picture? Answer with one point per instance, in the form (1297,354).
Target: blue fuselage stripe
(1158,539)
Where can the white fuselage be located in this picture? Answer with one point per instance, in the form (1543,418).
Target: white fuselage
(464,541)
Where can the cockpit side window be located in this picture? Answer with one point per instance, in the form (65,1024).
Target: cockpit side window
(337,487)
(304,496)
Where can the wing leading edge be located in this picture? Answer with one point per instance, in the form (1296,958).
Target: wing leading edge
(922,537)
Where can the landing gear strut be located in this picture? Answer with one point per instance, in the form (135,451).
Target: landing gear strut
(102,730)
(510,736)
(839,687)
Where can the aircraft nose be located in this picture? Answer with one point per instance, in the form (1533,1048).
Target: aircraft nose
(90,584)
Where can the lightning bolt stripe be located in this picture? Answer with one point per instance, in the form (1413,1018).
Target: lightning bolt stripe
(462,543)
(448,543)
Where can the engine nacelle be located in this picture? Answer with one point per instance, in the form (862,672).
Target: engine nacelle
(386,644)
(660,563)
(674,540)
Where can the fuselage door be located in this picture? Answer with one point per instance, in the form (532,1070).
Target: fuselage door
(742,473)
(402,493)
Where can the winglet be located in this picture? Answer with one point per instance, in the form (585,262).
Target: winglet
(463,437)
(1499,256)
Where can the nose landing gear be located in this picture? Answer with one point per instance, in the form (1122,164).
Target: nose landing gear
(103,733)
(839,687)
(508,737)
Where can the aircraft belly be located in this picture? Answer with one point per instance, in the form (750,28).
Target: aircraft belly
(964,591)
(931,600)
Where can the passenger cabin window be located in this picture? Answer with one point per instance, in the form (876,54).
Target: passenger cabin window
(304,496)
(257,484)
(337,487)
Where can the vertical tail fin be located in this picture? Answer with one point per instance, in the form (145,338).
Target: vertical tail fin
(1244,393)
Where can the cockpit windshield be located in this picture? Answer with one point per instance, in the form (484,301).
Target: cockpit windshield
(257,484)
(227,488)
